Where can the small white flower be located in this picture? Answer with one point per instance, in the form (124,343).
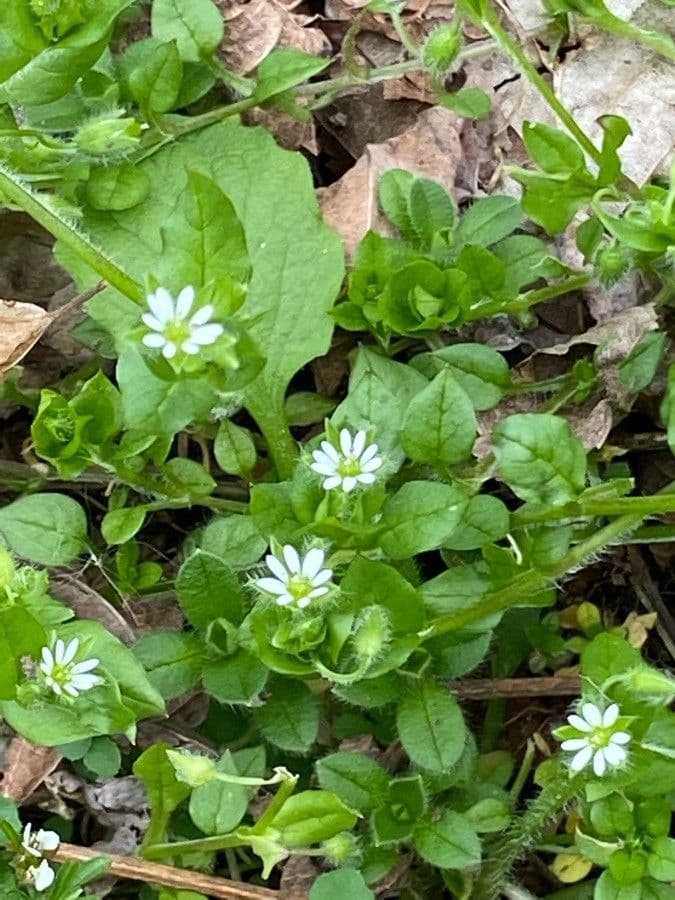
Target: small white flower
(297,580)
(353,463)
(40,842)
(598,741)
(40,877)
(172,330)
(62,674)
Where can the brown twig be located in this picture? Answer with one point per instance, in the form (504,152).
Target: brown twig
(493,688)
(168,876)
(79,299)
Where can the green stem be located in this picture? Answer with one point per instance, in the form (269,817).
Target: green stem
(269,416)
(654,505)
(525,301)
(285,790)
(16,190)
(202,845)
(492,25)
(403,34)
(524,832)
(658,41)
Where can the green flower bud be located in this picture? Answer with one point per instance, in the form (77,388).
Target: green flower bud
(371,634)
(192,768)
(612,261)
(650,684)
(341,848)
(109,135)
(442,48)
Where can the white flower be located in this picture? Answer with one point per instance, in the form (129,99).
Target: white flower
(40,877)
(63,674)
(40,842)
(598,741)
(353,463)
(171,327)
(298,580)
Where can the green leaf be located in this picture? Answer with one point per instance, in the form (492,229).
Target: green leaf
(195,25)
(203,240)
(235,540)
(480,371)
(208,589)
(370,582)
(393,191)
(471,103)
(355,778)
(45,528)
(430,209)
(306,408)
(606,888)
(485,521)
(440,426)
(234,449)
(615,131)
(554,151)
(341,883)
(661,859)
(285,68)
(164,790)
(99,401)
(172,660)
(21,635)
(155,82)
(449,843)
(116,187)
(238,679)
(527,259)
(420,516)
(290,717)
(120,525)
(431,728)
(103,757)
(218,807)
(540,458)
(639,368)
(606,655)
(489,220)
(493,814)
(311,817)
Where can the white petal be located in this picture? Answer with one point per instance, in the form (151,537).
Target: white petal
(189,347)
(366,478)
(312,562)
(371,465)
(70,689)
(152,322)
(592,714)
(303,602)
(582,759)
(59,651)
(330,451)
(323,468)
(284,600)
(47,657)
(161,305)
(71,651)
(332,482)
(348,484)
(55,686)
(202,316)
(610,715)
(358,443)
(154,340)
(43,876)
(322,577)
(368,453)
(323,459)
(574,744)
(26,834)
(579,723)
(346,442)
(614,754)
(169,350)
(184,301)
(277,568)
(85,666)
(599,763)
(620,737)
(207,334)
(317,592)
(271,585)
(48,840)
(292,559)
(84,682)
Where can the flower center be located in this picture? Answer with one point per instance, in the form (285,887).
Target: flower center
(600,738)
(299,587)
(177,332)
(348,467)
(61,674)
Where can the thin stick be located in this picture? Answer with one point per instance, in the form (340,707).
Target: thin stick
(492,688)
(154,873)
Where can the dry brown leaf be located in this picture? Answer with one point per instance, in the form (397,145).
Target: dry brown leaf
(254,29)
(430,148)
(638,627)
(288,132)
(616,337)
(592,425)
(27,767)
(87,603)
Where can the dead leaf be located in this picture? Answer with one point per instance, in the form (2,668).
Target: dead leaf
(638,627)
(592,426)
(430,148)
(27,767)
(616,337)
(288,132)
(87,603)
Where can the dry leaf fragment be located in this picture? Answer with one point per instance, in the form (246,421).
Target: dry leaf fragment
(430,148)
(27,767)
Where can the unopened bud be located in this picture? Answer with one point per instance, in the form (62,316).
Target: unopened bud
(612,262)
(650,684)
(442,48)
(371,633)
(191,768)
(109,135)
(341,848)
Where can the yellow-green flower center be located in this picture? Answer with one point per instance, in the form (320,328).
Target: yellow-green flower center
(60,674)
(299,587)
(348,467)
(177,332)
